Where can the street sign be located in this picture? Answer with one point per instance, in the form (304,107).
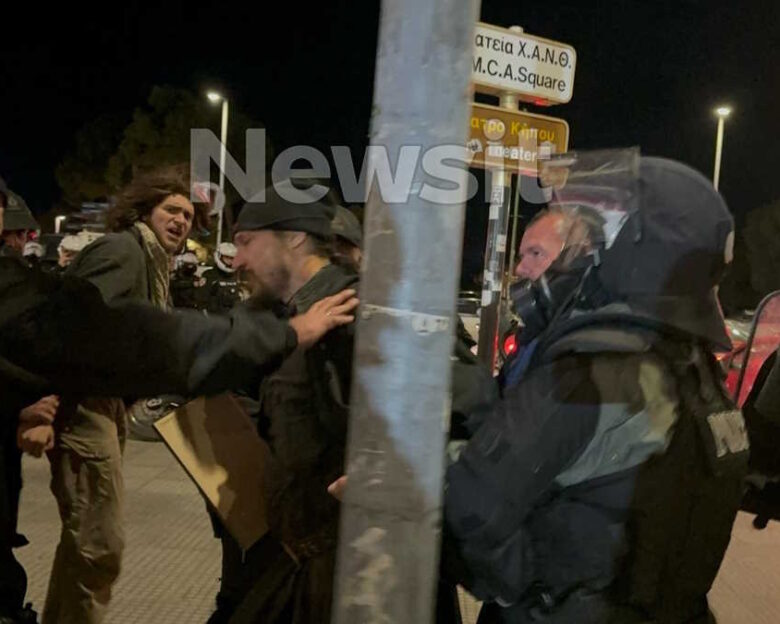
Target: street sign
(514,140)
(538,70)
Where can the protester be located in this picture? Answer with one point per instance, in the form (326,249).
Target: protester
(18,223)
(348,241)
(283,251)
(51,342)
(35,434)
(150,219)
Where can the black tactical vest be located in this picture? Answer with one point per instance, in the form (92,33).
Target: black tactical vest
(687,499)
(664,526)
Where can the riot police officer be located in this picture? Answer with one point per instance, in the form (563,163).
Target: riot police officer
(187,287)
(603,485)
(222,288)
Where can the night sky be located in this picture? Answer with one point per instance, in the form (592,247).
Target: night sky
(648,74)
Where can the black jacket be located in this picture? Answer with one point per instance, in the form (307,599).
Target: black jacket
(58,336)
(222,291)
(304,413)
(584,493)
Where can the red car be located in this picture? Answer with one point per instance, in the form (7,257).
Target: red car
(755,342)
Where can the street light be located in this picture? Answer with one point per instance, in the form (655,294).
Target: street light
(722,112)
(215,97)
(58,221)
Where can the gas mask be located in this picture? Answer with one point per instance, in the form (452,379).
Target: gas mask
(593,194)
(538,302)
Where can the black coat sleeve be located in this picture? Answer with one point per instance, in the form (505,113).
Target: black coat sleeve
(78,344)
(512,459)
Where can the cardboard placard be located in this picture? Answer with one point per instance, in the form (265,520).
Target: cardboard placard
(218,446)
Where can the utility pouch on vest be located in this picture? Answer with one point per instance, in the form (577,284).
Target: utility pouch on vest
(725,441)
(720,424)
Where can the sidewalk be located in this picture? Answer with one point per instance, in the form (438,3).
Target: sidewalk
(172,561)
(171,568)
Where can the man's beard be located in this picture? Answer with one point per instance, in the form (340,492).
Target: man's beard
(261,299)
(264,295)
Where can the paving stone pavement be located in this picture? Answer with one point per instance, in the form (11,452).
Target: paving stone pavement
(171,568)
(172,561)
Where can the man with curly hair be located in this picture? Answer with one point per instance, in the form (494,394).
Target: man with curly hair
(149,221)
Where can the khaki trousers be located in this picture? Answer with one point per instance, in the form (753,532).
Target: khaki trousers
(86,480)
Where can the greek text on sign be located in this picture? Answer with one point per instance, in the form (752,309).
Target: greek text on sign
(538,70)
(514,140)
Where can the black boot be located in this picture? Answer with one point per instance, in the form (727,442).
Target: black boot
(23,616)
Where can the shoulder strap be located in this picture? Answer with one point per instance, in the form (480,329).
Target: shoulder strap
(680,533)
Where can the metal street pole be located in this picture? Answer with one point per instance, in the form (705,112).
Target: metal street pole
(222,153)
(493,274)
(388,552)
(515,219)
(495,252)
(718,151)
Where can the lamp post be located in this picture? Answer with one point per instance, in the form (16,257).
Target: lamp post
(215,97)
(58,221)
(722,112)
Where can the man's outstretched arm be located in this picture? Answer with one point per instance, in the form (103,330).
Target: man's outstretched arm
(75,343)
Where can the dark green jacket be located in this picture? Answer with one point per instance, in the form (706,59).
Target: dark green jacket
(116,264)
(304,412)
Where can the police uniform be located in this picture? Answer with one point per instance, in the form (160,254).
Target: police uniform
(222,289)
(188,291)
(603,486)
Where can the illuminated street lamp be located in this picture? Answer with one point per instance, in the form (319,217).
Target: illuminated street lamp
(58,221)
(722,112)
(215,97)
